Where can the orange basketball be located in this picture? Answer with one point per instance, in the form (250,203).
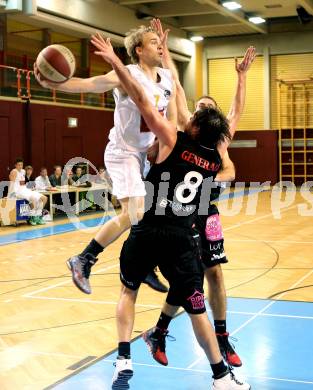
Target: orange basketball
(56,63)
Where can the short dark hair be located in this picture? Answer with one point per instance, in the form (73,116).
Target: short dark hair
(57,166)
(208,97)
(18,160)
(28,167)
(42,168)
(212,125)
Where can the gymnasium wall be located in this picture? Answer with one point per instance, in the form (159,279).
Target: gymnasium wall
(277,43)
(288,66)
(97,14)
(285,55)
(40,134)
(25,41)
(222,84)
(255,156)
(280,56)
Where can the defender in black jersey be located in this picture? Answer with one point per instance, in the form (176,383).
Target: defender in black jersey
(167,224)
(184,165)
(208,226)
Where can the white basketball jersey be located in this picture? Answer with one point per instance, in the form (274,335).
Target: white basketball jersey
(130,131)
(19,180)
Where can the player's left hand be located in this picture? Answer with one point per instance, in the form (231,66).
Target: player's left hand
(157,26)
(245,64)
(105,49)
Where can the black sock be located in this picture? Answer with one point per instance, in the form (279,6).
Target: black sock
(93,248)
(164,321)
(219,370)
(220,326)
(124,350)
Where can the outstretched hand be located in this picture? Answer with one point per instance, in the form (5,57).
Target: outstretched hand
(245,64)
(41,81)
(157,27)
(105,49)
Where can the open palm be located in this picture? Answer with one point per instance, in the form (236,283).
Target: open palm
(157,27)
(105,49)
(245,64)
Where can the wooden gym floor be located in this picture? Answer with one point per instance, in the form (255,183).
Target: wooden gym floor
(48,329)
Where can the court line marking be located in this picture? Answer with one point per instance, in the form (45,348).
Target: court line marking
(57,354)
(69,227)
(89,301)
(272,241)
(258,313)
(210,372)
(273,302)
(271,315)
(33,293)
(257,218)
(30,295)
(97,302)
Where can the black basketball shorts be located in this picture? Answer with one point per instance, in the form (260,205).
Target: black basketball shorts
(212,241)
(177,253)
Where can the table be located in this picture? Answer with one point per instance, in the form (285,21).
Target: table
(77,191)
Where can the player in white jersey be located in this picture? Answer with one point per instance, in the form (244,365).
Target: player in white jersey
(18,189)
(129,138)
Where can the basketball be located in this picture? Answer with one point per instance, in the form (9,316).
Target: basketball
(56,63)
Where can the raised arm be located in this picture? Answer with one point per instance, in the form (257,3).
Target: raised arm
(171,112)
(97,84)
(167,60)
(228,172)
(238,103)
(183,114)
(161,127)
(240,95)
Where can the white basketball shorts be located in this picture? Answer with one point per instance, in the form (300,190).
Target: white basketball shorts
(125,169)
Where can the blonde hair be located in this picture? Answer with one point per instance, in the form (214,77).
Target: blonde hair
(133,39)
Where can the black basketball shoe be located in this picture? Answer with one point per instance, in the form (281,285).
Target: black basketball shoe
(80,266)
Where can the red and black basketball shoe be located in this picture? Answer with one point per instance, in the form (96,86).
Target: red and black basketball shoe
(155,340)
(227,350)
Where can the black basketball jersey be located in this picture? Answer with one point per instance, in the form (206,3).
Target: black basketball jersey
(174,187)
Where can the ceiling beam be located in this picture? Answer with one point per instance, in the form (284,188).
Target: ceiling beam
(181,8)
(307,4)
(238,15)
(197,21)
(131,2)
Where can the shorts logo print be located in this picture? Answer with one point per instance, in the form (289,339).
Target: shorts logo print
(131,284)
(213,229)
(197,300)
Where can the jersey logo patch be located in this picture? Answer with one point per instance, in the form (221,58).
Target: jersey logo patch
(167,93)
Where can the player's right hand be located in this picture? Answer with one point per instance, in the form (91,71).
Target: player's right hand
(105,49)
(248,59)
(43,83)
(157,26)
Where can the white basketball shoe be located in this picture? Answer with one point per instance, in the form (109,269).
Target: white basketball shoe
(122,374)
(229,382)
